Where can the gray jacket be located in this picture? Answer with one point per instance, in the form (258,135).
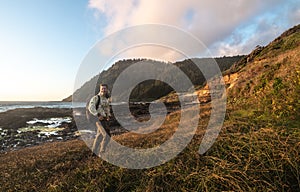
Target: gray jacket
(103,109)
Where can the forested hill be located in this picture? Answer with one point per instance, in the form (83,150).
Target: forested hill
(150,90)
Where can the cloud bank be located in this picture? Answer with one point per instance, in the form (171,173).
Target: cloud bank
(225,27)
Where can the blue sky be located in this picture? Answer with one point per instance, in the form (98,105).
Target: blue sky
(42,45)
(43,42)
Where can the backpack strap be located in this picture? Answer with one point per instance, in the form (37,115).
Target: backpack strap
(98,102)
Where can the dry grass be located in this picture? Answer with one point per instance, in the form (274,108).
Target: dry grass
(258,148)
(245,157)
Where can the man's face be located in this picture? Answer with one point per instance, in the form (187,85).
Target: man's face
(103,90)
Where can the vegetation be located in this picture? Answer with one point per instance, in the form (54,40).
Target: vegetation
(151,89)
(258,148)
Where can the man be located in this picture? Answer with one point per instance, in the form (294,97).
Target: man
(99,107)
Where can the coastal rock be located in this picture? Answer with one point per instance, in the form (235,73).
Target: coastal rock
(14,138)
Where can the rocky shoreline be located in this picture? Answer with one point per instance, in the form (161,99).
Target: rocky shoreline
(14,124)
(22,127)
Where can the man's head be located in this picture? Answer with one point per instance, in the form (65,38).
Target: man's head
(103,89)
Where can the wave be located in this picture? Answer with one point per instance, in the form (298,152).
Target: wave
(11,105)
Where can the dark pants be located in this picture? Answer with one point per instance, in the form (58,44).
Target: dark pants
(102,136)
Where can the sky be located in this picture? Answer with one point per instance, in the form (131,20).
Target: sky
(43,42)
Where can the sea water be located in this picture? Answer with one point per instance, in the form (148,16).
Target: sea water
(10,105)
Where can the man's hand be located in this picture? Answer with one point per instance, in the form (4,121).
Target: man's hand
(100,117)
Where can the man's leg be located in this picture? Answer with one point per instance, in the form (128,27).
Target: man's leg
(106,135)
(98,139)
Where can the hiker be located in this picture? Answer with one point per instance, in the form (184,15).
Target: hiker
(99,107)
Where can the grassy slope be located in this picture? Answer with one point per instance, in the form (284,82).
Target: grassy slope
(257,149)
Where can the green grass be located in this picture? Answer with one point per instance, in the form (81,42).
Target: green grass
(281,45)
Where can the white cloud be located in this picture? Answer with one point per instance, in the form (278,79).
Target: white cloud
(212,22)
(264,28)
(116,12)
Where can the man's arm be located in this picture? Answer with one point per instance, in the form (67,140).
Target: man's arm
(92,106)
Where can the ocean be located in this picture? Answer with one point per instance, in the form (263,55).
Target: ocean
(10,105)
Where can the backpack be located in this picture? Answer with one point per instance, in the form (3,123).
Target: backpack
(90,117)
